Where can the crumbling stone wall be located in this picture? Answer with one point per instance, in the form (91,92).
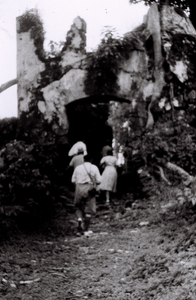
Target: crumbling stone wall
(41,95)
(29,68)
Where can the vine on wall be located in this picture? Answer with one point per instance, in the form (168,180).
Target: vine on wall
(31,20)
(104,63)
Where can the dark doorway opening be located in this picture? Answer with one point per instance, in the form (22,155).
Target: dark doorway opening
(88,123)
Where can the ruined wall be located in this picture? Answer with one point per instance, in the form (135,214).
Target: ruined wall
(50,99)
(41,92)
(29,68)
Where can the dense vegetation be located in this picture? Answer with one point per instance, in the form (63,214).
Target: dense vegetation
(29,183)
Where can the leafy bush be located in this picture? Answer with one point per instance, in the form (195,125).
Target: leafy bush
(152,150)
(28,180)
(8,128)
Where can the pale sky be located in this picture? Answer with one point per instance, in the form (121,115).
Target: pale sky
(58,16)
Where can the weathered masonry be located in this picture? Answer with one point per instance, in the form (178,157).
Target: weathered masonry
(47,85)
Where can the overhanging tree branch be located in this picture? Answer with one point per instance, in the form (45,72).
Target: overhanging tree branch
(8,84)
(187,178)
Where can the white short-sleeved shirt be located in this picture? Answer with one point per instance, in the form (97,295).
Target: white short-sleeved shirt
(81,176)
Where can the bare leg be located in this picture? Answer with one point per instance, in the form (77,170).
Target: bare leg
(79,215)
(107,197)
(87,221)
(89,211)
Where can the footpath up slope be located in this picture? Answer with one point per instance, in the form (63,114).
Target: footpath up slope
(120,260)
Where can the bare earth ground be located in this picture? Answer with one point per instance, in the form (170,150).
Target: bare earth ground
(122,259)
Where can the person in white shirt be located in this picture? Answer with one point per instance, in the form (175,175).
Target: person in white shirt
(85,177)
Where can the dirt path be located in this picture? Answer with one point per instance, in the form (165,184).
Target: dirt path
(120,260)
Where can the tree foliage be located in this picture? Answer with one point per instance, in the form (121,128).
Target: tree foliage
(184,4)
(188,5)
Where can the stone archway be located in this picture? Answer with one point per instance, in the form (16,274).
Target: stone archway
(87,119)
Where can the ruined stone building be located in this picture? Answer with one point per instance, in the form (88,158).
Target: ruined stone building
(49,87)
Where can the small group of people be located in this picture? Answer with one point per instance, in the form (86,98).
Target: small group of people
(88,182)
